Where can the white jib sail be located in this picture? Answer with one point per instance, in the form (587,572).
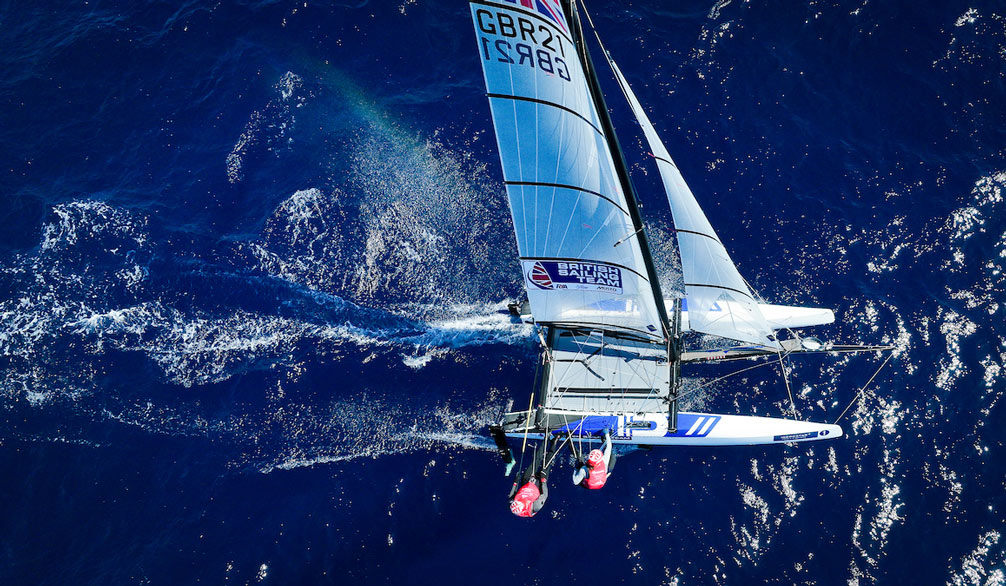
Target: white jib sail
(581,264)
(719,301)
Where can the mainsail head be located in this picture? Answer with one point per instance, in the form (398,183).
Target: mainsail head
(574,227)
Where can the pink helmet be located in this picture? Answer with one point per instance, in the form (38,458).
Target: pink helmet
(595,457)
(523,502)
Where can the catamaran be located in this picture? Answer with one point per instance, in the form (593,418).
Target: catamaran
(612,342)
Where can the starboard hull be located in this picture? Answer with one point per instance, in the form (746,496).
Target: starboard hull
(651,429)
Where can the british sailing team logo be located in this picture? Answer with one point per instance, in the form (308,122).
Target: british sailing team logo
(551,275)
(539,276)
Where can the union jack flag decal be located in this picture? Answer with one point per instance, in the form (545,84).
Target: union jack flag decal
(547,8)
(539,276)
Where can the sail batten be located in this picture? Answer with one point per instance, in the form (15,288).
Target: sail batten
(571,188)
(567,199)
(547,103)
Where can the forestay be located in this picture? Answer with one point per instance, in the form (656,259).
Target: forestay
(582,264)
(719,300)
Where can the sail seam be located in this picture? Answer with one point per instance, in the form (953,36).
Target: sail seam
(709,236)
(570,187)
(748,295)
(659,158)
(548,103)
(587,260)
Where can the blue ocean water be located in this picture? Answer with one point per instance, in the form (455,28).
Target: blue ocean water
(252,256)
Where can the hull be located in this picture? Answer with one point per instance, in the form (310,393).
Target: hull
(651,429)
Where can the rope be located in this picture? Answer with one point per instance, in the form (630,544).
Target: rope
(569,432)
(778,351)
(544,449)
(555,453)
(726,376)
(607,56)
(578,452)
(860,393)
(785,379)
(527,427)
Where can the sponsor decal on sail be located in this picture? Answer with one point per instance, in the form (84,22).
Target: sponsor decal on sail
(581,276)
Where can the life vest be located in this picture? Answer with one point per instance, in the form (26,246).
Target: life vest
(522,502)
(598,474)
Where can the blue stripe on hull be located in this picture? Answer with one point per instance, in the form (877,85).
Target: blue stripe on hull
(625,427)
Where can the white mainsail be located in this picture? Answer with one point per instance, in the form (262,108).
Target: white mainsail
(719,300)
(582,264)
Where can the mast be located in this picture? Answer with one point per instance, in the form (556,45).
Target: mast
(672,329)
(621,168)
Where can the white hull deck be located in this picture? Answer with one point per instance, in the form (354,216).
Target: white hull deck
(651,429)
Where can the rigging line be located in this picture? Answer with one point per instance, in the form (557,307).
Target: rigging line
(556,452)
(569,438)
(545,439)
(544,447)
(785,379)
(589,19)
(652,380)
(544,344)
(569,365)
(716,380)
(647,376)
(580,352)
(530,404)
(624,238)
(856,398)
(527,427)
(754,292)
(579,439)
(607,56)
(569,432)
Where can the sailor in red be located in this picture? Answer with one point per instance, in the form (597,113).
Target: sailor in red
(595,472)
(527,501)
(530,497)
